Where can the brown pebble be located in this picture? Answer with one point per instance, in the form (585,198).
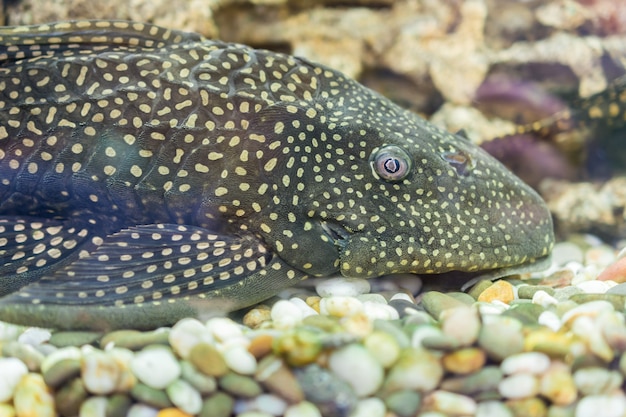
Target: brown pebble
(208,360)
(261,346)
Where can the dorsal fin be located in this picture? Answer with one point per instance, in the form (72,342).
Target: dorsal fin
(23,42)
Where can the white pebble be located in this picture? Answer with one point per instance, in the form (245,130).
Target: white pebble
(184,396)
(544,299)
(596,381)
(240,360)
(187,333)
(423,332)
(550,319)
(377,311)
(223,329)
(450,403)
(594,286)
(305,309)
(527,362)
(355,365)
(340,306)
(34,336)
(302,409)
(493,409)
(373,298)
(592,309)
(604,405)
(285,314)
(402,296)
(13,370)
(265,403)
(93,407)
(155,367)
(369,407)
(344,287)
(99,373)
(142,410)
(519,386)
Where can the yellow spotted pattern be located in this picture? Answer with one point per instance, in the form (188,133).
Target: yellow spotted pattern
(212,170)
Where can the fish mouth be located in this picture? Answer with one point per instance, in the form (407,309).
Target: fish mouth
(337,233)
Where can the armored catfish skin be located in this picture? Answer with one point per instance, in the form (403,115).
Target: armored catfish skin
(148,174)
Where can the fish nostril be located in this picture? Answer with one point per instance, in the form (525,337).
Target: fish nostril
(460,161)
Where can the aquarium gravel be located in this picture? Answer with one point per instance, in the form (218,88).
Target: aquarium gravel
(550,344)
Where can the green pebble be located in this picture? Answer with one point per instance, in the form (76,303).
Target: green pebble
(480,286)
(325,323)
(208,360)
(622,364)
(299,347)
(501,337)
(65,339)
(331,395)
(404,403)
(615,299)
(204,384)
(118,405)
(528,407)
(153,397)
(562,411)
(441,342)
(61,372)
(462,297)
(217,405)
(395,330)
(240,386)
(434,302)
(528,291)
(31,357)
(484,380)
(527,313)
(135,340)
(69,398)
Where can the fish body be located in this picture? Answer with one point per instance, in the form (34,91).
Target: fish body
(147,174)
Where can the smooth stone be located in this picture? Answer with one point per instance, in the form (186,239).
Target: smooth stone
(239,385)
(529,291)
(478,288)
(435,302)
(383,347)
(564,252)
(153,397)
(493,409)
(69,397)
(135,340)
(354,364)
(607,405)
(404,403)
(527,313)
(543,299)
(369,407)
(591,305)
(501,337)
(331,395)
(157,368)
(595,286)
(93,407)
(485,380)
(217,405)
(265,403)
(450,403)
(404,307)
(28,354)
(557,385)
(587,329)
(34,336)
(562,411)
(613,329)
(302,409)
(13,370)
(239,360)
(255,317)
(519,386)
(7,410)
(187,333)
(208,360)
(416,369)
(597,381)
(61,372)
(285,315)
(70,352)
(465,298)
(224,329)
(461,323)
(619,289)
(526,362)
(500,290)
(69,338)
(261,346)
(142,410)
(346,287)
(279,379)
(118,405)
(340,306)
(32,397)
(378,311)
(550,320)
(99,372)
(394,330)
(528,407)
(300,347)
(464,361)
(204,384)
(556,345)
(184,396)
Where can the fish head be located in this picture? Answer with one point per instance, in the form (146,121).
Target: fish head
(366,188)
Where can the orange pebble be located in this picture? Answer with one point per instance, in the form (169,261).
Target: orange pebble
(614,272)
(499,290)
(172,412)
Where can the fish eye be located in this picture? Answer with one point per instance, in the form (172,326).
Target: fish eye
(391,163)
